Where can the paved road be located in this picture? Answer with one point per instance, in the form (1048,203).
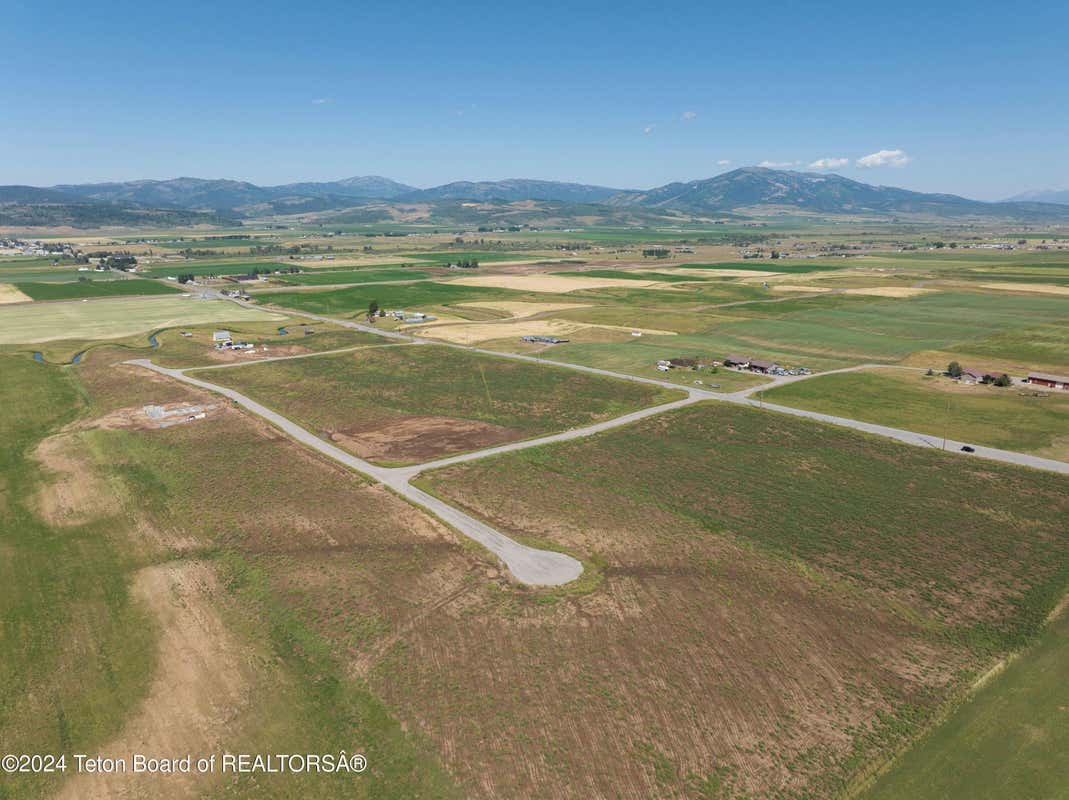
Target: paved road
(527,564)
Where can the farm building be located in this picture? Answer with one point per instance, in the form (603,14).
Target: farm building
(545,339)
(975,375)
(221,336)
(760,365)
(1048,380)
(736,361)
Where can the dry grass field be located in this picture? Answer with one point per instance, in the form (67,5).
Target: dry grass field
(782,606)
(11,294)
(409,404)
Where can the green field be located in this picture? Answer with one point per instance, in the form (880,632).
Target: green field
(199,268)
(115,318)
(327,278)
(419,296)
(792,266)
(381,387)
(1009,740)
(76,652)
(71,291)
(892,329)
(453,258)
(1009,418)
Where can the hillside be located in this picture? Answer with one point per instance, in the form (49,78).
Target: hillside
(758,188)
(514,189)
(1042,196)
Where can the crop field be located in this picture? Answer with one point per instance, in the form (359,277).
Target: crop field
(789,266)
(79,289)
(326,278)
(200,268)
(22,272)
(412,403)
(1011,418)
(892,329)
(745,556)
(1018,713)
(481,257)
(418,296)
(115,318)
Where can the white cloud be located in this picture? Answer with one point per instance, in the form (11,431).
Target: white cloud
(885,158)
(689,115)
(829,163)
(648,129)
(322,101)
(779,164)
(723,162)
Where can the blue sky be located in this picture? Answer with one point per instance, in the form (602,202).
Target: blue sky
(625,94)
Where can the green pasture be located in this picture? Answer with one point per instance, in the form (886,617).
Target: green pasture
(92,288)
(1009,418)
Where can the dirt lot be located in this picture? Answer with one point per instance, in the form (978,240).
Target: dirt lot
(422,438)
(75,492)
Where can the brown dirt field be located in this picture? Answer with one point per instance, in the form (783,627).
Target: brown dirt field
(201,685)
(75,494)
(422,438)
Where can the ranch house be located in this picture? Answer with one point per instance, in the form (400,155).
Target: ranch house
(976,375)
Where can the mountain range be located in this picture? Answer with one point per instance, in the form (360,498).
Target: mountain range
(1042,196)
(748,191)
